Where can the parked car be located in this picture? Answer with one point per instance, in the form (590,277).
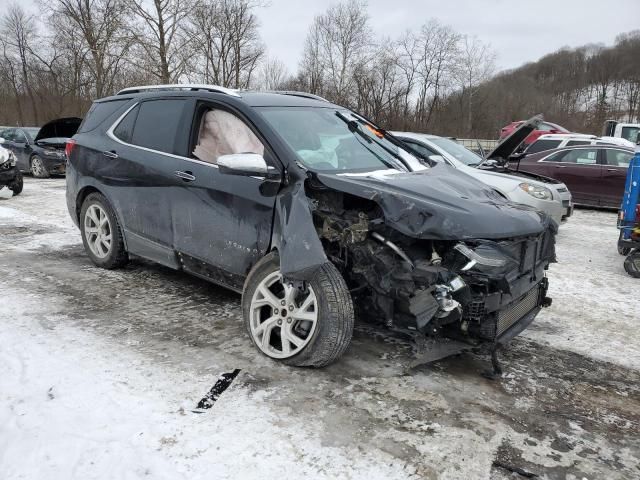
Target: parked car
(595,174)
(551,141)
(10,176)
(41,150)
(543,129)
(545,194)
(306,209)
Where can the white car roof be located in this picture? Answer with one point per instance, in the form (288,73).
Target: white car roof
(567,136)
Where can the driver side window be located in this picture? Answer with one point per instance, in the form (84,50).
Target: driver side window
(222,133)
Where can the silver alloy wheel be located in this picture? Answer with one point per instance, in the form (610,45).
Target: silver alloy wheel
(37,167)
(97,230)
(283,319)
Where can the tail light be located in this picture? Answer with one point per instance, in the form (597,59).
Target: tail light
(68,148)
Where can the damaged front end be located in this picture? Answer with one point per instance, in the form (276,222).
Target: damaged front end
(426,281)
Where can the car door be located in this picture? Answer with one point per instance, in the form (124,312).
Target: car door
(22,149)
(614,174)
(222,222)
(580,170)
(137,165)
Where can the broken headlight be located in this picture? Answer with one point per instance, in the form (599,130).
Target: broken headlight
(484,257)
(541,193)
(9,162)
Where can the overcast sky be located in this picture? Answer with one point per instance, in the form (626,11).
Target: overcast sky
(519,31)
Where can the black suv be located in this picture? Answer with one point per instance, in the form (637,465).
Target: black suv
(308,210)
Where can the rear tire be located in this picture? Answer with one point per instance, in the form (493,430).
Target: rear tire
(17,186)
(298,328)
(632,264)
(101,233)
(38,169)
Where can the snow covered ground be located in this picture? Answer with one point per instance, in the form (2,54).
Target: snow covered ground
(100,373)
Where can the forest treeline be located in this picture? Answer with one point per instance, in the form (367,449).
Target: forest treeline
(55,61)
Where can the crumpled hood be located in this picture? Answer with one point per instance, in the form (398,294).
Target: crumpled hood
(440,203)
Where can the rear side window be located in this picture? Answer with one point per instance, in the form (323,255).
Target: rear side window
(156,124)
(542,145)
(124,130)
(582,156)
(573,143)
(99,112)
(618,158)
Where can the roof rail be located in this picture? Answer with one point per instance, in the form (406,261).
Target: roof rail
(181,86)
(299,94)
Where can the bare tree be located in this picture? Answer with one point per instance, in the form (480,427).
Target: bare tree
(273,74)
(160,34)
(337,44)
(475,65)
(17,35)
(103,29)
(225,36)
(436,51)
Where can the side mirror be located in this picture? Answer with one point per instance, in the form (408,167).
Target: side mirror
(245,165)
(437,158)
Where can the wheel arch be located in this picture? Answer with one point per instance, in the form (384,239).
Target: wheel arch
(87,190)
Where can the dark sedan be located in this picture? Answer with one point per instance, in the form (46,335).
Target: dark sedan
(41,150)
(595,174)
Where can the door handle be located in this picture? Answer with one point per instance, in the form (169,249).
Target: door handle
(611,170)
(561,166)
(110,154)
(185,176)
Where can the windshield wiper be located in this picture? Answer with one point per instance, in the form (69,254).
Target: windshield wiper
(354,127)
(393,140)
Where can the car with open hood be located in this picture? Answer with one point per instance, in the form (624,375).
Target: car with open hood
(312,213)
(542,128)
(40,151)
(540,192)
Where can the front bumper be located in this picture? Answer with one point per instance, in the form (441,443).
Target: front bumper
(54,165)
(511,318)
(567,201)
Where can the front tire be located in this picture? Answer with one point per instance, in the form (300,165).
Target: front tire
(101,233)
(312,327)
(18,184)
(632,264)
(38,169)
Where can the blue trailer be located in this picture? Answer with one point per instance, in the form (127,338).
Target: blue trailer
(629,218)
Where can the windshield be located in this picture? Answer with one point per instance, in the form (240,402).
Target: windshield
(457,151)
(32,131)
(326,139)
